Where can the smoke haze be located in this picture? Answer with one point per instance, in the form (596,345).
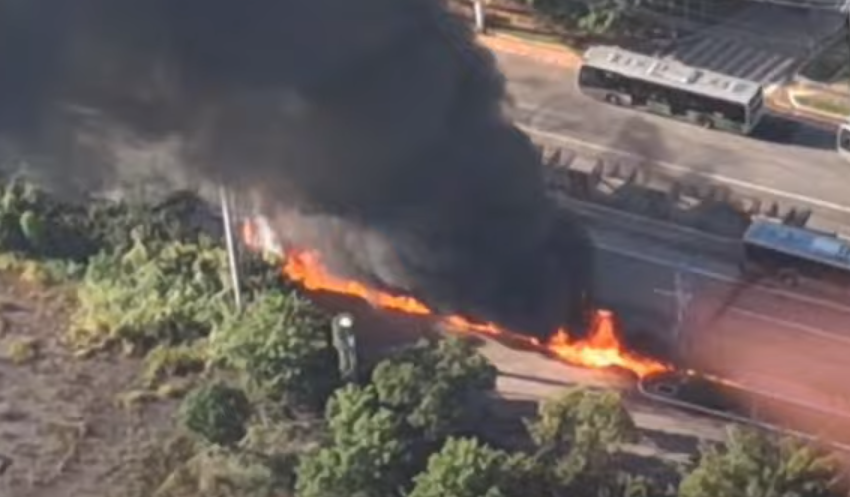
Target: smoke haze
(371,130)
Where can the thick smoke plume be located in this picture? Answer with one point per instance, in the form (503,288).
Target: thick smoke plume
(371,129)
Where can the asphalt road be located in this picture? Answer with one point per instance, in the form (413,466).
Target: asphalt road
(785,159)
(768,339)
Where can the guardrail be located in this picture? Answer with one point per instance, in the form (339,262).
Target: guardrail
(614,188)
(736,418)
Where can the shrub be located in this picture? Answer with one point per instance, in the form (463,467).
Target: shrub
(158,294)
(281,344)
(217,413)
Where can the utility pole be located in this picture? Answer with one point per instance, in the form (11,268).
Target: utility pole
(231,246)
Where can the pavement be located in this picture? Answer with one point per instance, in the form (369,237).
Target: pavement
(785,159)
(793,345)
(795,337)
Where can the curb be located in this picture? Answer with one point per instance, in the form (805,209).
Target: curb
(777,105)
(545,53)
(735,418)
(793,109)
(832,117)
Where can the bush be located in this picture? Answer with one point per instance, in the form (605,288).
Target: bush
(437,386)
(367,453)
(754,462)
(158,294)
(465,467)
(217,413)
(40,225)
(281,343)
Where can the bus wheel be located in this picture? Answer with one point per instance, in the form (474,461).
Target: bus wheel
(788,277)
(613,99)
(705,122)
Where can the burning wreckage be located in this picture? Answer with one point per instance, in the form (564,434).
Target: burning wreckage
(599,347)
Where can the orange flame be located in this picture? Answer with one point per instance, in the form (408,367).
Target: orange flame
(601,349)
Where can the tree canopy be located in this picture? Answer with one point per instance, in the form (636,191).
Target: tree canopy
(436,386)
(757,463)
(281,342)
(465,467)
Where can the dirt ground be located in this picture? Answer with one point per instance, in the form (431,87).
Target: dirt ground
(63,431)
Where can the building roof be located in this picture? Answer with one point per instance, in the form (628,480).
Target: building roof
(671,73)
(801,242)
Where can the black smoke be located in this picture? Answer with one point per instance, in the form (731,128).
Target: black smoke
(371,129)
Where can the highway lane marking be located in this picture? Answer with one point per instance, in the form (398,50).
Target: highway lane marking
(666,263)
(719,178)
(810,330)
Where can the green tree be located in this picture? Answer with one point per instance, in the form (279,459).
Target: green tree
(590,17)
(438,387)
(216,412)
(467,468)
(367,448)
(755,463)
(281,343)
(577,434)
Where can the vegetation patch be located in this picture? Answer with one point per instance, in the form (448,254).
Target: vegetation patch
(826,103)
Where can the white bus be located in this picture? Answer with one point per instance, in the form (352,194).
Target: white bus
(670,88)
(844,140)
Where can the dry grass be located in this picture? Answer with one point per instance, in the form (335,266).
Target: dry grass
(824,103)
(61,432)
(23,350)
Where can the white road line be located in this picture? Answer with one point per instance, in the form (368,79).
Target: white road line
(764,68)
(676,265)
(778,72)
(810,330)
(736,62)
(678,168)
(690,51)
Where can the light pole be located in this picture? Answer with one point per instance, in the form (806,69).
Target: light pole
(231,246)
